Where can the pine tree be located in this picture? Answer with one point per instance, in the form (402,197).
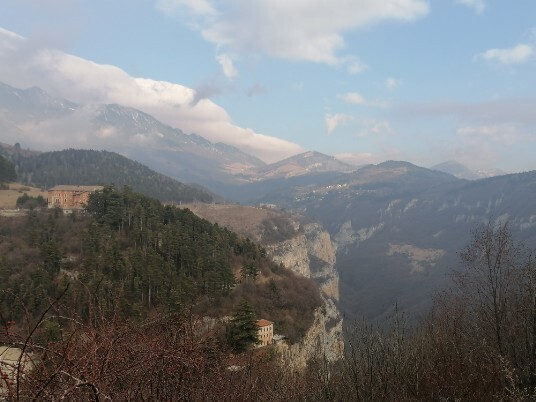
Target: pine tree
(249,271)
(7,170)
(243,327)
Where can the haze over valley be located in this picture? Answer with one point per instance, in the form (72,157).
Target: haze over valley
(342,191)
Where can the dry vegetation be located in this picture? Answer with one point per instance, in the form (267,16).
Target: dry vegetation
(8,198)
(245,220)
(477,344)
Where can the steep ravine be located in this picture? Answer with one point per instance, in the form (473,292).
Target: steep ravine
(305,247)
(311,253)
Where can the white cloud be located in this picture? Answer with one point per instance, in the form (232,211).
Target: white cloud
(478,5)
(227,65)
(372,127)
(197,7)
(310,30)
(515,55)
(353,97)
(358,99)
(353,66)
(391,83)
(503,134)
(205,91)
(332,121)
(364,127)
(485,131)
(22,64)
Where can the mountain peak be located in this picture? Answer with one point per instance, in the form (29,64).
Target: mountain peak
(33,104)
(463,172)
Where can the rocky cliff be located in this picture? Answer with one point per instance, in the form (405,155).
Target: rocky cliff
(308,252)
(305,247)
(323,340)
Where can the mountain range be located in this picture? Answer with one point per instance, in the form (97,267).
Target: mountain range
(42,121)
(89,167)
(462,172)
(397,227)
(36,119)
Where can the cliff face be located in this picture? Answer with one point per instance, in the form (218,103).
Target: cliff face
(305,247)
(324,340)
(293,253)
(322,258)
(310,253)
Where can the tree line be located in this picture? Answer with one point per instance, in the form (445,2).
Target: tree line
(131,255)
(90,167)
(110,326)
(7,171)
(476,344)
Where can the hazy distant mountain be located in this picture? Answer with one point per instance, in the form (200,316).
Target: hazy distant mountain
(88,167)
(309,168)
(305,163)
(190,158)
(398,228)
(53,122)
(21,105)
(462,172)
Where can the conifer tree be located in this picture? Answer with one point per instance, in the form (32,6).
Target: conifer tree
(7,170)
(243,328)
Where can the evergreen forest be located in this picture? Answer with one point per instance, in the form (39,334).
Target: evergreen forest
(130,255)
(120,303)
(90,167)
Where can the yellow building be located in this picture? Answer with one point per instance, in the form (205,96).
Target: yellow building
(265,332)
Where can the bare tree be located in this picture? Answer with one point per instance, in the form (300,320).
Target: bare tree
(491,264)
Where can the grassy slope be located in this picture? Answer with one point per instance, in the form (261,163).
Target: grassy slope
(8,198)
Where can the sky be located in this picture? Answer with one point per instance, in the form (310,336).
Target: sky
(363,80)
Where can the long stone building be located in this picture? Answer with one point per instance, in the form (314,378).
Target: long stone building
(70,198)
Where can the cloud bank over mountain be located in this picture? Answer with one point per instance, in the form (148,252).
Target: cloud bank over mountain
(23,63)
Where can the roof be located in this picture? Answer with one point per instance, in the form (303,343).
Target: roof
(75,188)
(264,323)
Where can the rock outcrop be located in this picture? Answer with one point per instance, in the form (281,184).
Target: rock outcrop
(305,247)
(310,253)
(323,340)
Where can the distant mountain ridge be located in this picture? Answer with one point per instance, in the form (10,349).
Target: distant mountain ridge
(398,228)
(32,103)
(34,115)
(89,167)
(304,163)
(463,172)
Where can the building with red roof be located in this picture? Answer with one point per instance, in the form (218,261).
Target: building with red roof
(265,332)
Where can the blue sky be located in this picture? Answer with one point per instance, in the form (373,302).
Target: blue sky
(365,80)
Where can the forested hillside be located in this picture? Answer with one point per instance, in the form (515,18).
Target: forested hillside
(7,170)
(89,167)
(131,255)
(476,344)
